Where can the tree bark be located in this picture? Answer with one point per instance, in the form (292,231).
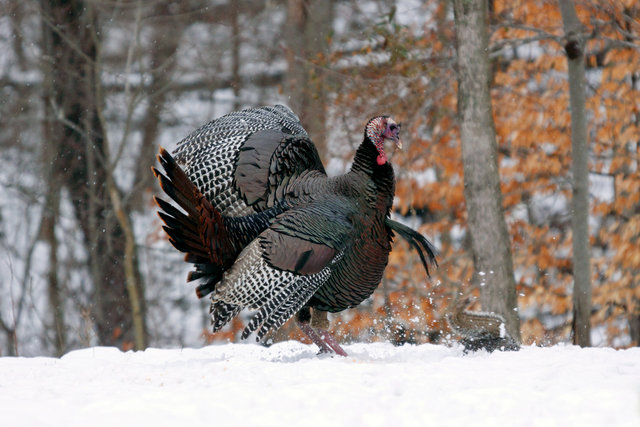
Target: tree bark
(82,162)
(133,278)
(489,236)
(236,82)
(166,40)
(132,275)
(49,219)
(52,202)
(308,37)
(574,49)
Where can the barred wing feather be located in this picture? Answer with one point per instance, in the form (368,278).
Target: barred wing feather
(242,161)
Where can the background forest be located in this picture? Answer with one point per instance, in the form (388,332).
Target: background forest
(90,89)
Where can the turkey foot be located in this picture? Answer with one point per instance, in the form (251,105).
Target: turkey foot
(314,323)
(317,339)
(331,342)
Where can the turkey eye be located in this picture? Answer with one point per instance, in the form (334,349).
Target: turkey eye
(393,127)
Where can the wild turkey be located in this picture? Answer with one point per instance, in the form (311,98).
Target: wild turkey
(267,229)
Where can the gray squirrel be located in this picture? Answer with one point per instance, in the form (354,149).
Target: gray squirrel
(480,330)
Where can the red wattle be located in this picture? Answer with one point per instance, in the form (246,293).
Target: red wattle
(381,159)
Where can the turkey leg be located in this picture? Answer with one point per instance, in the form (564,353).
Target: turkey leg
(331,342)
(320,323)
(315,328)
(317,340)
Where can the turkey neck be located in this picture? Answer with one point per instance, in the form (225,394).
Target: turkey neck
(365,165)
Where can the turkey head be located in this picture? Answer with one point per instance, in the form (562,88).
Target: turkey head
(378,130)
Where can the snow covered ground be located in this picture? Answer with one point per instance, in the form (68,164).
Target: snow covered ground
(288,385)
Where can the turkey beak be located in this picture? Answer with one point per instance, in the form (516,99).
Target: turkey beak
(394,135)
(396,139)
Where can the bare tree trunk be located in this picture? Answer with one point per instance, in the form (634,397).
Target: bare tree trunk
(49,220)
(82,161)
(50,214)
(132,275)
(489,236)
(16,15)
(12,340)
(133,279)
(166,37)
(236,83)
(580,155)
(634,315)
(307,36)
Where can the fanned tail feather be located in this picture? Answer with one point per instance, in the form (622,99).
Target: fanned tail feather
(198,230)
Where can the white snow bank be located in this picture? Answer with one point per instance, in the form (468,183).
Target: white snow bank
(287,384)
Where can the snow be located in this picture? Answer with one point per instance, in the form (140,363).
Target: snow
(288,384)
